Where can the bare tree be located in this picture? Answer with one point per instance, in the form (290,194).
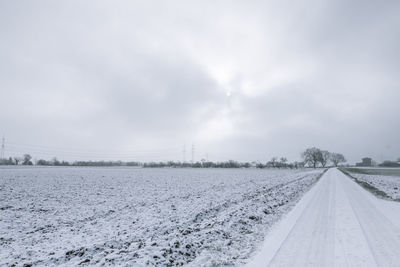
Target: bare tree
(325,157)
(283,161)
(27,159)
(17,160)
(274,162)
(55,161)
(300,164)
(312,156)
(337,158)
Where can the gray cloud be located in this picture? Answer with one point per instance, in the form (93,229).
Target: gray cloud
(240,80)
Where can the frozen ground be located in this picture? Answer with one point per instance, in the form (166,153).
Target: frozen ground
(337,223)
(388,185)
(134,217)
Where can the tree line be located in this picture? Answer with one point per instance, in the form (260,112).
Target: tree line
(390,164)
(312,157)
(26,159)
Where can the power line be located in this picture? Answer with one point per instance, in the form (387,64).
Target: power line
(46,151)
(83,151)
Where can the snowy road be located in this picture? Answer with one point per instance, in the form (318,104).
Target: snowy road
(337,223)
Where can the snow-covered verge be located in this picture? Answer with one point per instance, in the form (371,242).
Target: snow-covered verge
(124,216)
(382,185)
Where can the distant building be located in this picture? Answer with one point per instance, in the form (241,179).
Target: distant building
(366,162)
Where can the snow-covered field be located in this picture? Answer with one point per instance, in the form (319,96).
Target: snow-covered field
(128,216)
(388,184)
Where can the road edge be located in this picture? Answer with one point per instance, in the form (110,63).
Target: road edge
(368,187)
(280,230)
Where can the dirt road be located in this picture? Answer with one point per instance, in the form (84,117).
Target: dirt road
(337,223)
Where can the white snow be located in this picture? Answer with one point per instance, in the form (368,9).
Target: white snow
(127,216)
(337,223)
(388,184)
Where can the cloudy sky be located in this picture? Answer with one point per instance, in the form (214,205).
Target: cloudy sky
(243,80)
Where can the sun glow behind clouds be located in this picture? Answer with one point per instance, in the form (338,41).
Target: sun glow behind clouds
(261,72)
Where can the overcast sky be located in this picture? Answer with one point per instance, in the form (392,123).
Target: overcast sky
(243,80)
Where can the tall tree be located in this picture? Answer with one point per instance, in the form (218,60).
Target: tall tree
(283,161)
(337,158)
(274,162)
(27,159)
(17,160)
(325,157)
(312,156)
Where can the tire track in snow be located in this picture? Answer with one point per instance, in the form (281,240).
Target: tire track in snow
(382,235)
(338,224)
(299,249)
